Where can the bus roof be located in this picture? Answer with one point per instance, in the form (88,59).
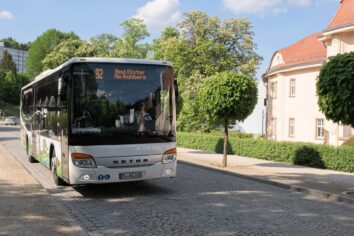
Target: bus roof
(97,60)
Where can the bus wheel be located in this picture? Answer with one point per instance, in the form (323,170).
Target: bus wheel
(30,157)
(57,180)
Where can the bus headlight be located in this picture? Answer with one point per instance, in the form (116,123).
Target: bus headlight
(169,156)
(83,160)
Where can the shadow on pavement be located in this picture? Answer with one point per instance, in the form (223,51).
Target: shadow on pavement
(7,138)
(313,181)
(129,189)
(203,203)
(29,210)
(8,128)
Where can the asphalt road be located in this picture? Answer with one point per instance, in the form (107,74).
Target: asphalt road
(196,202)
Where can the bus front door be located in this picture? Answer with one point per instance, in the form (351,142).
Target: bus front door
(35,135)
(64,144)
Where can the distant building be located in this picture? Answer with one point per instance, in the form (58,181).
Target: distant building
(18,56)
(292,110)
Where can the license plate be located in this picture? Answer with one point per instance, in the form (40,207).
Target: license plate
(131,175)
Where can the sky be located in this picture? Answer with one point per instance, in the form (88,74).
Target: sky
(276,23)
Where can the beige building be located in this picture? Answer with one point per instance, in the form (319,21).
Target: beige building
(292,110)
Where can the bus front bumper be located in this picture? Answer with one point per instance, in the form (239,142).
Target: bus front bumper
(103,174)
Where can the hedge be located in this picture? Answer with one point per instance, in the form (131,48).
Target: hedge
(307,154)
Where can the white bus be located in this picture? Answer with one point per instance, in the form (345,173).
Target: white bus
(102,120)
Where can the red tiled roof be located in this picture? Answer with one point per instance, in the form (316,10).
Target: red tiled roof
(307,50)
(344,15)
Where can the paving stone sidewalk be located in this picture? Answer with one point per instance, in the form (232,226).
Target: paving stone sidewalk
(26,207)
(333,185)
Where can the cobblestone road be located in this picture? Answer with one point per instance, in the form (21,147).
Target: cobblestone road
(196,202)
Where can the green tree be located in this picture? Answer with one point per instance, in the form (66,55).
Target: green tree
(335,89)
(104,44)
(228,97)
(7,64)
(168,47)
(42,46)
(2,81)
(128,46)
(66,50)
(12,88)
(22,79)
(205,45)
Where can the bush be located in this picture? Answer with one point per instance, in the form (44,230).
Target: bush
(307,156)
(349,142)
(313,155)
(231,134)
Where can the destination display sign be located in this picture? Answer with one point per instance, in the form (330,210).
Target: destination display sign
(129,74)
(121,74)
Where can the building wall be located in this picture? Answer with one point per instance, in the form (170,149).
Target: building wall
(348,42)
(18,56)
(340,43)
(302,107)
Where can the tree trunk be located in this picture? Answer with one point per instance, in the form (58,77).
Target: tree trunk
(226,141)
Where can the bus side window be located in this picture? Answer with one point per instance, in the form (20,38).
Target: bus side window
(63,82)
(62,90)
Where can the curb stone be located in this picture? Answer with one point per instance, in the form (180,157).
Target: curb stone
(311,192)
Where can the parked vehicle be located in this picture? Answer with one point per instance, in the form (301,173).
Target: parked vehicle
(11,120)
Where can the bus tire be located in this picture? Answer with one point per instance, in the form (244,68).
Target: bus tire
(57,180)
(30,157)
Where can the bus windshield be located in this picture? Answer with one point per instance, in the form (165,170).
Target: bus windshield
(122,104)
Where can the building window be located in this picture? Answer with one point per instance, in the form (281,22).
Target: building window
(273,89)
(292,88)
(274,128)
(291,127)
(346,132)
(320,128)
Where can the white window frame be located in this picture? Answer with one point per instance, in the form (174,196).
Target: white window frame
(319,126)
(273,89)
(274,128)
(292,88)
(291,128)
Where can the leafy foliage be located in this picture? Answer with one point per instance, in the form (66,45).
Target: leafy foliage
(229,96)
(128,46)
(66,50)
(200,47)
(315,155)
(335,89)
(104,44)
(42,46)
(208,45)
(191,117)
(12,85)
(169,48)
(2,80)
(8,109)
(7,64)
(226,97)
(231,134)
(10,81)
